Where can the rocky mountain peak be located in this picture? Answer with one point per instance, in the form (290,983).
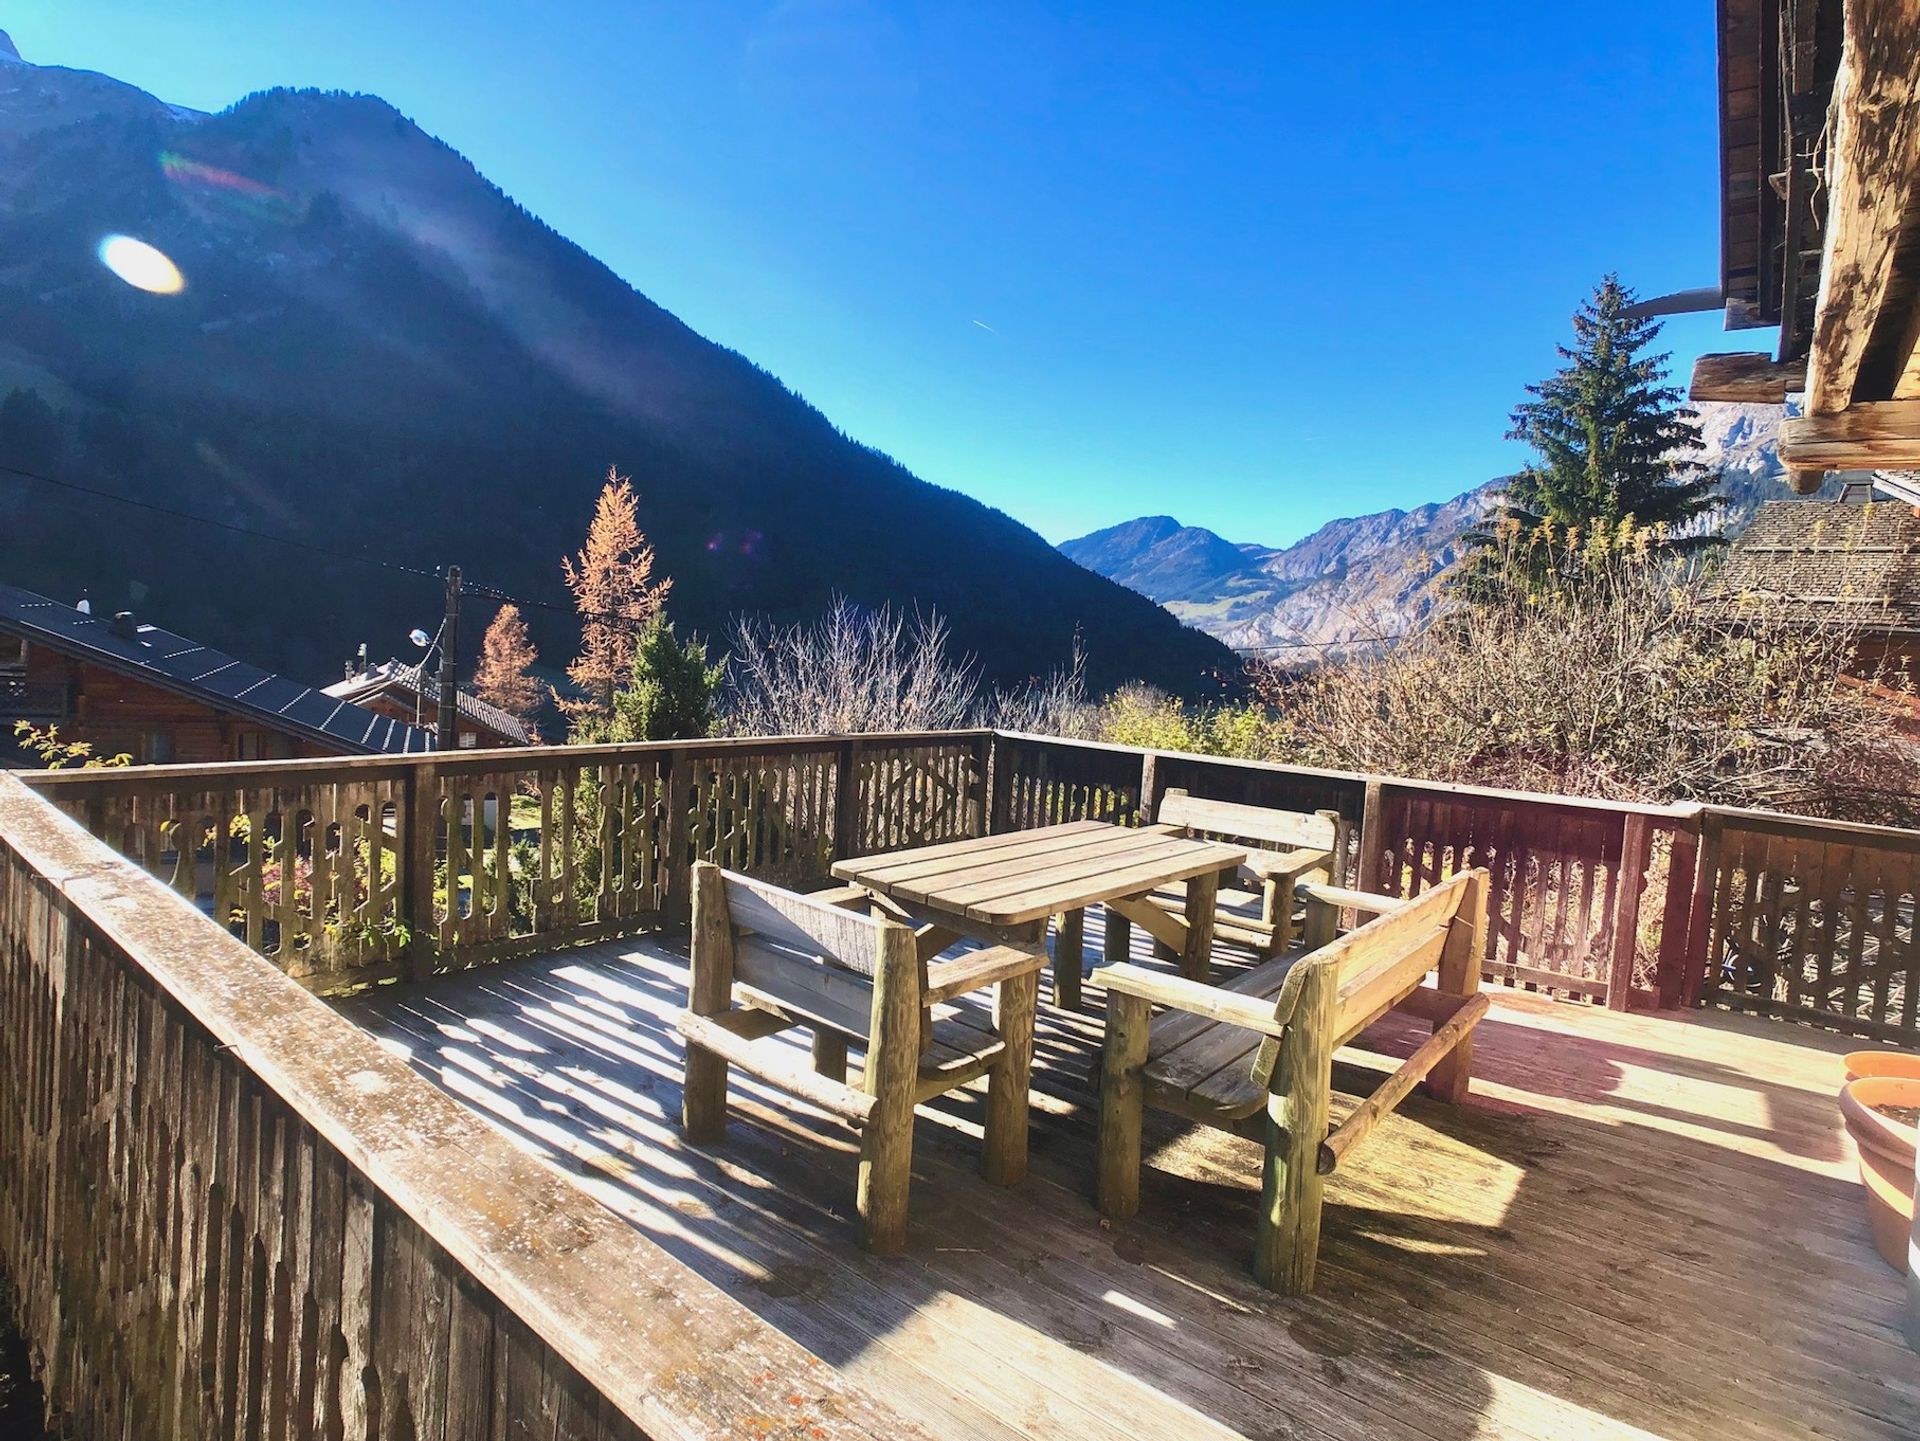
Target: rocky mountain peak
(8,51)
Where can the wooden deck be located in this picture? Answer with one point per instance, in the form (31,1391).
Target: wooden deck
(1638,1226)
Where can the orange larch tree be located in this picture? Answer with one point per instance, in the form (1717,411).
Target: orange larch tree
(506,658)
(615,593)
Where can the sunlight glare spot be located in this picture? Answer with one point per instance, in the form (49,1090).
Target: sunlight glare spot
(141,266)
(1135,1308)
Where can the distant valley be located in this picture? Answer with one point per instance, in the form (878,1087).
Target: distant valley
(1356,581)
(381,357)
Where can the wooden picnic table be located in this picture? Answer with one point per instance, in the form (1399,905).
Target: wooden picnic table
(1004,888)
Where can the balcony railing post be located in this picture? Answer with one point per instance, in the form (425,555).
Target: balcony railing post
(419,821)
(979,800)
(1676,916)
(846,800)
(1151,786)
(678,864)
(1373,843)
(1700,923)
(1623,926)
(1000,785)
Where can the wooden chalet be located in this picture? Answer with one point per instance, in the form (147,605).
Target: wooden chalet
(134,689)
(403,693)
(1834,562)
(1820,226)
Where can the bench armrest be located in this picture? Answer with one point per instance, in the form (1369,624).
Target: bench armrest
(985,967)
(1367,901)
(1271,865)
(1248,1012)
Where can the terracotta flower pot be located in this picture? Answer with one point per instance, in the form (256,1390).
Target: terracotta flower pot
(1886,1148)
(1883,1063)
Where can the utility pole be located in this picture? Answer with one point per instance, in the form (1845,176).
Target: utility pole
(448,737)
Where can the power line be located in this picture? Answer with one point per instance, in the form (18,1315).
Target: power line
(208,520)
(488,591)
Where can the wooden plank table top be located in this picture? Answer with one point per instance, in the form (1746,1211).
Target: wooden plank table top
(1025,876)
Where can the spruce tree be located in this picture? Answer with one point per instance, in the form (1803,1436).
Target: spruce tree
(673,693)
(1612,441)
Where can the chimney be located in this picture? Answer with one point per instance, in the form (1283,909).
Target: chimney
(122,625)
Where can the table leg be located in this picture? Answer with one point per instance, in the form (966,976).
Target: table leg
(1003,1156)
(1203,892)
(1119,938)
(1069,947)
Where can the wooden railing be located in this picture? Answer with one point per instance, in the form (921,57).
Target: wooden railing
(1605,902)
(347,872)
(1813,920)
(1587,898)
(225,1210)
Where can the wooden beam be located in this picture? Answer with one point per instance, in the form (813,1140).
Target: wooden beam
(1883,435)
(1750,377)
(1870,173)
(1906,378)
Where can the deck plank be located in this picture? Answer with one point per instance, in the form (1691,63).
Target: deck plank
(1638,1226)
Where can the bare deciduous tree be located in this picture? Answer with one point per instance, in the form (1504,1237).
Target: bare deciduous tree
(852,671)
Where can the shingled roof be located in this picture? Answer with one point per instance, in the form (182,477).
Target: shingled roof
(185,667)
(410,681)
(1856,565)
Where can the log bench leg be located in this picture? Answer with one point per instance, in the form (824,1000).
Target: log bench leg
(893,1066)
(1287,1233)
(1122,1101)
(830,1054)
(703,1098)
(1003,1156)
(1461,963)
(1203,893)
(1069,950)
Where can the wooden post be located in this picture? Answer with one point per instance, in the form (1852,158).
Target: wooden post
(893,1063)
(1676,916)
(674,861)
(1000,807)
(703,1099)
(1122,1103)
(1460,966)
(846,801)
(979,796)
(1373,843)
(830,1054)
(1287,1232)
(1322,924)
(1117,943)
(1069,953)
(419,820)
(446,735)
(1203,894)
(1003,1156)
(1151,788)
(1700,922)
(1630,883)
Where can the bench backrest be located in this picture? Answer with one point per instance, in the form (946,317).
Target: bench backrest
(1259,825)
(811,959)
(1377,965)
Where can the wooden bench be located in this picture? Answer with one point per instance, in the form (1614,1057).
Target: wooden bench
(1255,906)
(765,959)
(1255,1056)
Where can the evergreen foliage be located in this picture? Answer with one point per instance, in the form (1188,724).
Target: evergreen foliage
(1611,439)
(673,694)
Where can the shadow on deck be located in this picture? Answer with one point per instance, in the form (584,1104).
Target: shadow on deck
(1637,1225)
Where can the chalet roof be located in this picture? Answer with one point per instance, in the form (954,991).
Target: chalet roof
(408,680)
(185,667)
(1835,561)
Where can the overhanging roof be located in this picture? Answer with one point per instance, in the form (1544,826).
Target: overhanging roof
(185,667)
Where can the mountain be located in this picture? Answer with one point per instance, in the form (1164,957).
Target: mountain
(1371,577)
(377,353)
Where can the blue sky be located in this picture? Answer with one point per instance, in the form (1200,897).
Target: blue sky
(1252,265)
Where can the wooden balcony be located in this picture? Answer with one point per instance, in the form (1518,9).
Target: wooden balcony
(453,1194)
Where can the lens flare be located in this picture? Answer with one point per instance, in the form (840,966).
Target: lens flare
(141,266)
